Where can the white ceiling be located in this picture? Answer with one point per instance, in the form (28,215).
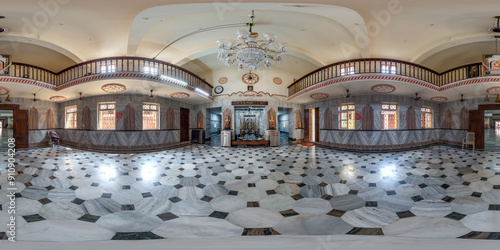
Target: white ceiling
(436,34)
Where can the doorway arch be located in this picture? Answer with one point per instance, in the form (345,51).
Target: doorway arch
(476,122)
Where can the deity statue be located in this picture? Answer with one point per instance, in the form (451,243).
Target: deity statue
(299,125)
(227,124)
(199,124)
(271,123)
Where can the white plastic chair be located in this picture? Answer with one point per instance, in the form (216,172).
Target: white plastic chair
(469,139)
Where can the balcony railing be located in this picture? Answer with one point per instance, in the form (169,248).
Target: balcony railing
(386,66)
(144,66)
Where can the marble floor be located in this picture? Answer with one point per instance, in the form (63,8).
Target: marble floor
(492,138)
(206,192)
(5,134)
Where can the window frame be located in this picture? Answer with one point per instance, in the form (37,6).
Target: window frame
(392,107)
(157,111)
(66,113)
(99,118)
(426,112)
(388,69)
(348,70)
(350,109)
(108,68)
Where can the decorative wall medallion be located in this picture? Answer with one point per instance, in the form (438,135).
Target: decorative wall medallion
(250,78)
(223,80)
(58,98)
(319,96)
(439,99)
(277,81)
(113,88)
(218,89)
(493,91)
(4,90)
(179,95)
(383,88)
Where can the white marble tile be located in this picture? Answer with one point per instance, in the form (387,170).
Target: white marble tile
(313,206)
(469,205)
(396,203)
(369,217)
(266,184)
(254,218)
(63,230)
(277,202)
(425,227)
(26,206)
(88,193)
(153,205)
(197,227)
(228,203)
(190,193)
(129,221)
(61,211)
(492,196)
(431,208)
(192,208)
(312,225)
(126,196)
(487,221)
(252,194)
(287,189)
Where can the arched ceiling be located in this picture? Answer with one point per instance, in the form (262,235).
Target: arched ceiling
(436,34)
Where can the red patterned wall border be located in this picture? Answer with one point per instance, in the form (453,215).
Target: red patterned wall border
(26,81)
(254,93)
(362,78)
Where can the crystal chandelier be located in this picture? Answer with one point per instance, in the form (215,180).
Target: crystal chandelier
(249,52)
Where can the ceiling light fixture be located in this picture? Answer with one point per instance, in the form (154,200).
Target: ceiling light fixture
(487,98)
(497,99)
(497,28)
(249,52)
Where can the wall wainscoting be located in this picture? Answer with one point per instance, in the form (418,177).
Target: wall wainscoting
(380,140)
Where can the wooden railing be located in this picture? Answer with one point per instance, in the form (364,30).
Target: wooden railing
(141,65)
(386,66)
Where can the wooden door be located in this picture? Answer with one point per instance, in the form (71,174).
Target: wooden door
(184,126)
(476,125)
(21,121)
(306,125)
(316,124)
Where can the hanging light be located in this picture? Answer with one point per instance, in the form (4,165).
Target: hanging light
(8,98)
(249,52)
(497,99)
(487,98)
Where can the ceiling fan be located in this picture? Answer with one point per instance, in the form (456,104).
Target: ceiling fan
(81,97)
(34,98)
(347,95)
(151,94)
(462,98)
(417,98)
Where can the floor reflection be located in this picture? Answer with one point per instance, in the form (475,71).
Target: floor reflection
(492,138)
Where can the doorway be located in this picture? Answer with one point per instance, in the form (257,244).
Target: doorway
(284,125)
(214,125)
(6,127)
(17,124)
(184,125)
(311,125)
(492,129)
(478,120)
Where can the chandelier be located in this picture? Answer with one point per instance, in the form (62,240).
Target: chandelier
(249,52)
